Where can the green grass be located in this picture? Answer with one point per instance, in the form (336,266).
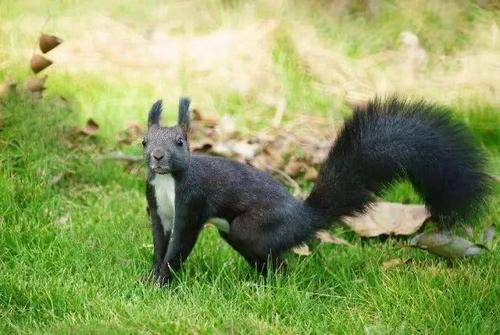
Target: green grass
(84,276)
(72,253)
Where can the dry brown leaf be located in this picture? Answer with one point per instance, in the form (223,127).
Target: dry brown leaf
(301,250)
(35,84)
(209,119)
(201,147)
(91,127)
(275,156)
(38,63)
(389,218)
(48,42)
(131,133)
(244,149)
(311,174)
(7,87)
(200,132)
(325,236)
(226,126)
(268,158)
(294,168)
(222,149)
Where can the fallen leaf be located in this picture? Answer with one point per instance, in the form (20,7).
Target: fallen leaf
(203,147)
(311,174)
(269,158)
(275,156)
(7,87)
(38,63)
(35,84)
(301,250)
(388,218)
(222,149)
(489,234)
(48,42)
(91,127)
(226,126)
(244,149)
(325,236)
(446,245)
(294,168)
(131,133)
(209,119)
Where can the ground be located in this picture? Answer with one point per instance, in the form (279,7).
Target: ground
(74,235)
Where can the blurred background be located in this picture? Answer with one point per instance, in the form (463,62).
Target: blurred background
(245,58)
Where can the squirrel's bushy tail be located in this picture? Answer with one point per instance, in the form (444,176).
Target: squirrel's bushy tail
(394,139)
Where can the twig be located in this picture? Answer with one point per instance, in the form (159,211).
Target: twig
(120,156)
(280,110)
(297,191)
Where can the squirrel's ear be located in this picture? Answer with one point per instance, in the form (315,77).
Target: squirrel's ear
(154,114)
(183,120)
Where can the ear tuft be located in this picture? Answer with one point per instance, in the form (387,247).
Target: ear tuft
(154,114)
(183,120)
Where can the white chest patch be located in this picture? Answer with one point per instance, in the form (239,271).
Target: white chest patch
(165,199)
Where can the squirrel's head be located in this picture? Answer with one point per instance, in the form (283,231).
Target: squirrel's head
(166,149)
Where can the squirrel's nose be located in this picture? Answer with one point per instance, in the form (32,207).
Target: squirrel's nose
(157,154)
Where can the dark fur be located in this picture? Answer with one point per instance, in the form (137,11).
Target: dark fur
(394,139)
(378,145)
(154,113)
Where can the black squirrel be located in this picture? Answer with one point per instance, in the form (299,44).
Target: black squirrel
(385,141)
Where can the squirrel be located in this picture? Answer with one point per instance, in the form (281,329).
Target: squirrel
(384,141)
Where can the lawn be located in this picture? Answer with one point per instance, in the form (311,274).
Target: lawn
(75,240)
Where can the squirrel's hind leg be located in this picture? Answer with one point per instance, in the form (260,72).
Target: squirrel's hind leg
(246,236)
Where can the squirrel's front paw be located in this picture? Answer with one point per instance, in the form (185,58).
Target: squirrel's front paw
(155,276)
(163,278)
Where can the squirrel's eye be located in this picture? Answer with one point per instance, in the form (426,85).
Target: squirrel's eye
(144,142)
(179,141)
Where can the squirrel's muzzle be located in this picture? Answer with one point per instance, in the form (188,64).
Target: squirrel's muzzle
(157,154)
(158,161)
